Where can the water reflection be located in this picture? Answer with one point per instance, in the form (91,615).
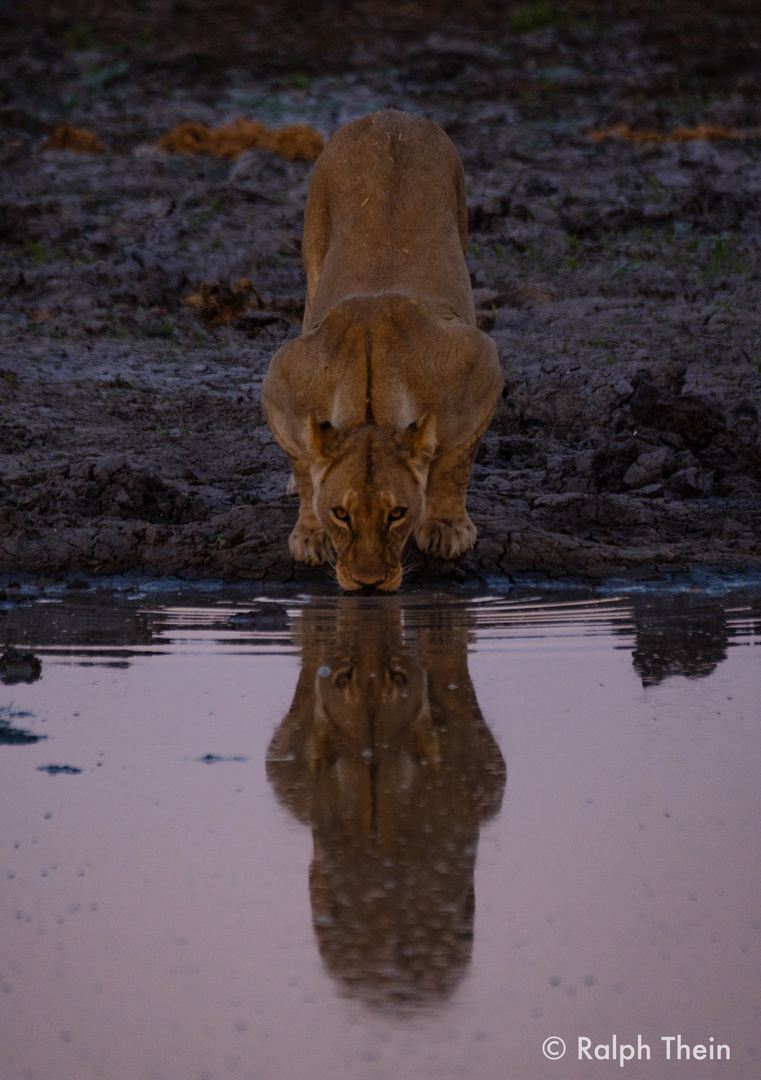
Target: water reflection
(18,666)
(385,754)
(685,634)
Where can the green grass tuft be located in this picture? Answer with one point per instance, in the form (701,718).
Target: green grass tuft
(536,15)
(722,258)
(163,330)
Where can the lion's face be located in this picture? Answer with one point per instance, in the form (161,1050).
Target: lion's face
(369,497)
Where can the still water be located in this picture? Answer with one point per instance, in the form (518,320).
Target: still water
(419,836)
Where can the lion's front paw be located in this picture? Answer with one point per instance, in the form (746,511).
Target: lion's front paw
(309,545)
(446,539)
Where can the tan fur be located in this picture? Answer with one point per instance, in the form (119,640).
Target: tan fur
(381,402)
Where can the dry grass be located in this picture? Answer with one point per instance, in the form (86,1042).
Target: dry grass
(66,137)
(219,303)
(711,132)
(297,141)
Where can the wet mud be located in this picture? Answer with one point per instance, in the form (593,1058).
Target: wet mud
(619,277)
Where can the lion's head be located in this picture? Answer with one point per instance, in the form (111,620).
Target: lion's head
(369,496)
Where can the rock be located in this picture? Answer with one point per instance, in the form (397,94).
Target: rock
(690,483)
(694,418)
(536,294)
(648,468)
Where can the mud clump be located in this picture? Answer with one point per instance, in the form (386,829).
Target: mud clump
(112,487)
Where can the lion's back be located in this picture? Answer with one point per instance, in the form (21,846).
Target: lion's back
(386,211)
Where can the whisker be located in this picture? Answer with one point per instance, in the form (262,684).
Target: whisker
(407,563)
(329,565)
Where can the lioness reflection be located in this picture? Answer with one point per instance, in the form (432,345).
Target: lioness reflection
(384,752)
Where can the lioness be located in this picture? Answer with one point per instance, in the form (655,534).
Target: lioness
(381,402)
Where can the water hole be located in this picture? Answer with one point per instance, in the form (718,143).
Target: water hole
(296,837)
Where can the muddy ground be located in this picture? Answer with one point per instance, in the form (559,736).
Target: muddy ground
(620,281)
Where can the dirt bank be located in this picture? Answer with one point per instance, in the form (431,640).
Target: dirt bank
(619,278)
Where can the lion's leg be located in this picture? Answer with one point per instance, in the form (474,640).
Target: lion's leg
(308,542)
(446,530)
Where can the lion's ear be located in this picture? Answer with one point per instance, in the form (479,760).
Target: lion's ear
(321,438)
(419,442)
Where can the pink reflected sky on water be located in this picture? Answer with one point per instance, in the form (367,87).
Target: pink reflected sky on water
(156,921)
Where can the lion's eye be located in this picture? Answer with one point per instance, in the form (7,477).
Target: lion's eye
(398,678)
(343,678)
(339,513)
(397,513)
